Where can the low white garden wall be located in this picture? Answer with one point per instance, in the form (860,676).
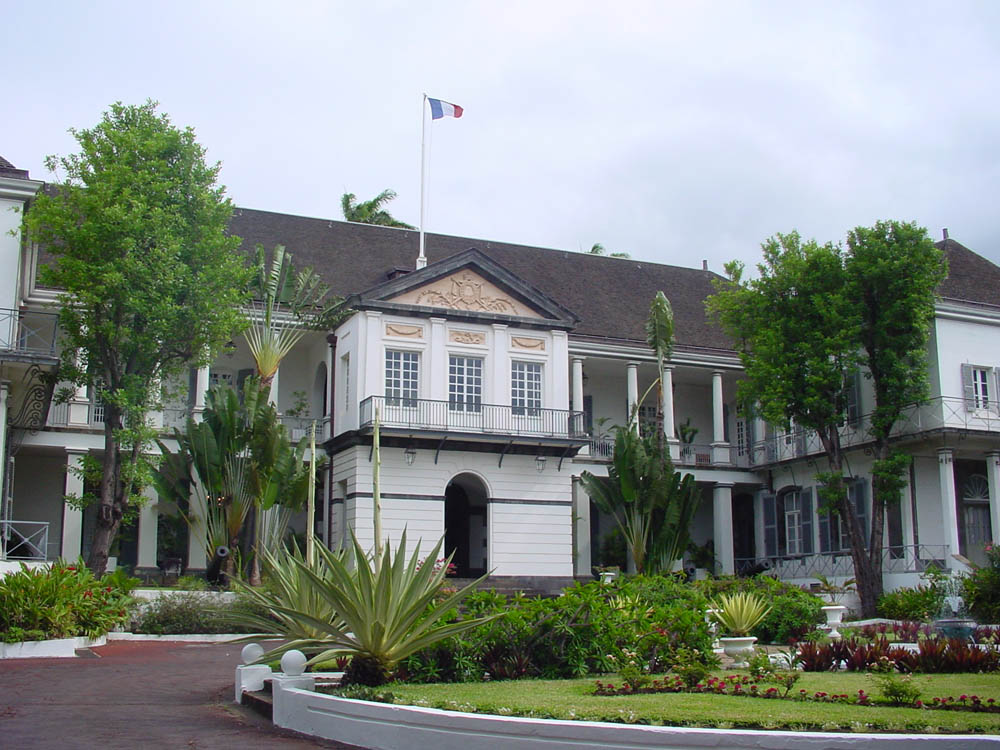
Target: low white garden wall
(55,648)
(382,726)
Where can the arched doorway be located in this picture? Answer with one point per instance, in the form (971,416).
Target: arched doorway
(465,525)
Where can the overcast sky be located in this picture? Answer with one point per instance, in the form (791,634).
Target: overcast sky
(673,131)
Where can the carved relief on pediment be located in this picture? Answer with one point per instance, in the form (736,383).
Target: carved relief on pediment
(466,290)
(466,337)
(401,330)
(527,342)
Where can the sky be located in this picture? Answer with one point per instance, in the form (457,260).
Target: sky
(674,131)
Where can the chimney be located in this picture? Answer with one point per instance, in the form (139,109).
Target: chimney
(704,265)
(945,231)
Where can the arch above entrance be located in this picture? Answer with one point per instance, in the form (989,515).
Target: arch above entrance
(466,521)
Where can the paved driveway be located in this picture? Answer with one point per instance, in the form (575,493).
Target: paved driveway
(135,696)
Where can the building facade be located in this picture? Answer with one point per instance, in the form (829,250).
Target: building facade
(496,372)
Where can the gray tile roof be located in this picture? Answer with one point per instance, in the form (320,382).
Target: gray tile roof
(611,296)
(9,170)
(971,278)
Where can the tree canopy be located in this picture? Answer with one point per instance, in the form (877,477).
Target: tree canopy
(150,281)
(813,320)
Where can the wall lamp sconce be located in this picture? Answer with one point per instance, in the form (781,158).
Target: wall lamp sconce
(540,463)
(410,454)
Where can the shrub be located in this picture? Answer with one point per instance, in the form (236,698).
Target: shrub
(794,612)
(62,601)
(981,589)
(184,613)
(920,603)
(897,690)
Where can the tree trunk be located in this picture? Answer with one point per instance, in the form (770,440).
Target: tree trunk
(109,512)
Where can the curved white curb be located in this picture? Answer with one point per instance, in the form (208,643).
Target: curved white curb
(382,726)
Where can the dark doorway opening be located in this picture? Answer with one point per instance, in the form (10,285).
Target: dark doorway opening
(744,540)
(466,526)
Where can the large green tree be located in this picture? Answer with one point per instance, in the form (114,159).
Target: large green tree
(372,211)
(151,283)
(808,323)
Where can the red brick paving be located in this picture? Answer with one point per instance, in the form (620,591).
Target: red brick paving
(145,695)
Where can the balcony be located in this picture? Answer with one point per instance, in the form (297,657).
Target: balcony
(490,420)
(914,558)
(27,335)
(940,413)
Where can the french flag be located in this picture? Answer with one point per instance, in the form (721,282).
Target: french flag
(441,109)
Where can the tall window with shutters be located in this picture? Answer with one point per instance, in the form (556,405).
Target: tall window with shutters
(834,535)
(788,522)
(979,388)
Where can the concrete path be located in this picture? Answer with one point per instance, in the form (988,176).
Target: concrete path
(135,696)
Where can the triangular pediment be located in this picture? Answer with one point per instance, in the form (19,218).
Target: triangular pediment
(469,291)
(470,285)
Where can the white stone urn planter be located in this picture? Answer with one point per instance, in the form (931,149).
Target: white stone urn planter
(607,576)
(738,648)
(834,617)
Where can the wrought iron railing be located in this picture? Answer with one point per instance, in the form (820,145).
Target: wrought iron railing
(24,540)
(493,419)
(941,412)
(28,332)
(914,558)
(299,427)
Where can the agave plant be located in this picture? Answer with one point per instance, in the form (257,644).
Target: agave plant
(376,614)
(741,612)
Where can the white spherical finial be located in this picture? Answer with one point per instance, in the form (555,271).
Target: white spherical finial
(293,663)
(251,653)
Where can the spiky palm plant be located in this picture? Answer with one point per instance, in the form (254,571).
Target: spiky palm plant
(384,612)
(741,612)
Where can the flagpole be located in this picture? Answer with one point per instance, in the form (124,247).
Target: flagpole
(421,258)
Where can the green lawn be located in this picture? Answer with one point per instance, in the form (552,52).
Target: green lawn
(574,699)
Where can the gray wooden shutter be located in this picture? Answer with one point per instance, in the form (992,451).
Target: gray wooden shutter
(859,496)
(824,532)
(854,400)
(968,390)
(806,522)
(770,526)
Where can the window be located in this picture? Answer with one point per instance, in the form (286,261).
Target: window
(853,392)
(646,416)
(402,380)
(345,367)
(977,385)
(465,383)
(788,523)
(526,388)
(833,533)
(219,378)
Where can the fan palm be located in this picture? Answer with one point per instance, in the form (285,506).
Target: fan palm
(371,212)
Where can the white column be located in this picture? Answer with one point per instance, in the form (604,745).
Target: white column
(632,383)
(909,537)
(949,511)
(669,427)
(722,526)
(993,476)
(577,404)
(581,531)
(148,515)
(72,526)
(720,448)
(200,389)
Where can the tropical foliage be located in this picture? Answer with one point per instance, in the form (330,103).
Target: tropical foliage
(741,612)
(371,211)
(651,503)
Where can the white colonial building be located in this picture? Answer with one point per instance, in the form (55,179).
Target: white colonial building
(497,371)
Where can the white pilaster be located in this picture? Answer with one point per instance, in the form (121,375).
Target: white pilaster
(371,380)
(993,476)
(669,426)
(200,390)
(496,389)
(330,406)
(581,530)
(437,366)
(148,515)
(72,526)
(720,448)
(632,383)
(722,526)
(949,511)
(556,372)
(906,514)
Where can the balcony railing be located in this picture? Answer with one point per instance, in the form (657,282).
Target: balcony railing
(488,419)
(942,412)
(914,558)
(24,540)
(299,427)
(28,332)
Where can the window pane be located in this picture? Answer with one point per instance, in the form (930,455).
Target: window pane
(401,378)
(526,387)
(465,383)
